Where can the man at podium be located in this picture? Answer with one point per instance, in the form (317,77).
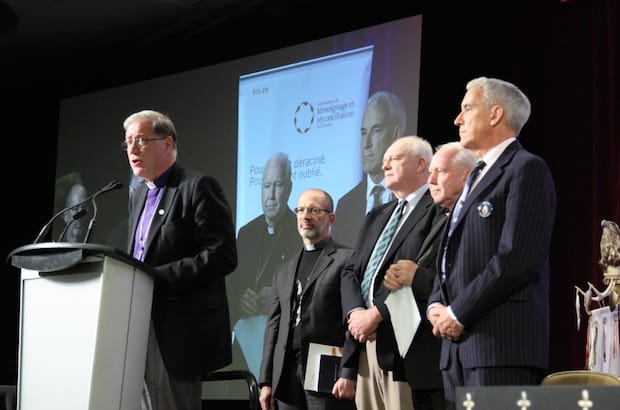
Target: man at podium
(181,224)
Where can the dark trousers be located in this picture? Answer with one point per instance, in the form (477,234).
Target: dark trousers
(457,375)
(300,399)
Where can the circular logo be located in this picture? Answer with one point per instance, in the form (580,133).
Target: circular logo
(485,209)
(304,117)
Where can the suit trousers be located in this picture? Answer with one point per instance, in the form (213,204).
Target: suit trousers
(312,400)
(162,391)
(376,388)
(457,375)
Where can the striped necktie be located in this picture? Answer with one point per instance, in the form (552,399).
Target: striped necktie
(381,247)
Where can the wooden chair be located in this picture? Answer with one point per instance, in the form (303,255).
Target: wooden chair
(581,377)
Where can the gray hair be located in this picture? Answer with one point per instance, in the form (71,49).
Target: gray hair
(464,158)
(422,148)
(516,105)
(281,158)
(162,124)
(393,106)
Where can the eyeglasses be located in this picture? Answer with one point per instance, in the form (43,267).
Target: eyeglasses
(140,142)
(314,211)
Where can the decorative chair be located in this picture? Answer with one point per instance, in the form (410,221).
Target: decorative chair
(581,377)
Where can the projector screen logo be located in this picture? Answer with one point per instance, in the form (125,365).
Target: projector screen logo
(304,117)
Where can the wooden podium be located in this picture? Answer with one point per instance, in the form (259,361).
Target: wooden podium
(83,327)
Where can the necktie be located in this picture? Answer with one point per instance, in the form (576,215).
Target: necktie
(459,205)
(380,247)
(377,195)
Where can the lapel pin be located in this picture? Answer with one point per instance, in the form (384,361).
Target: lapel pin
(485,209)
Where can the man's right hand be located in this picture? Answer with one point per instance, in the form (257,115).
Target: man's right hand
(248,304)
(266,400)
(252,303)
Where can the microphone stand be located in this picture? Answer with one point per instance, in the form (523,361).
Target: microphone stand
(111,186)
(91,223)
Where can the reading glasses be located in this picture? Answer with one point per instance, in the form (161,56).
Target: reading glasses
(140,141)
(313,210)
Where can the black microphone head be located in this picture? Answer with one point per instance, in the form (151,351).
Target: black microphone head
(79,214)
(116,185)
(110,187)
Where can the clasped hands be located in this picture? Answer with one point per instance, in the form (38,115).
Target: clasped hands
(363,323)
(253,303)
(444,326)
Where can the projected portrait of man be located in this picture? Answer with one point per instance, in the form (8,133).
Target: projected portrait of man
(262,244)
(384,120)
(70,190)
(75,227)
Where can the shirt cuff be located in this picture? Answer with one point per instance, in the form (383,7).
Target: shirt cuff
(453,316)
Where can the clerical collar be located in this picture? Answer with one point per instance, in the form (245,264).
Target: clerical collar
(317,246)
(159,181)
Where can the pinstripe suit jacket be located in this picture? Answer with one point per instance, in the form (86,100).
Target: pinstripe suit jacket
(497,265)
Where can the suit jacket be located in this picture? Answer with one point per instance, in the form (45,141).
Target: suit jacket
(497,265)
(350,212)
(259,255)
(422,359)
(406,245)
(320,311)
(191,244)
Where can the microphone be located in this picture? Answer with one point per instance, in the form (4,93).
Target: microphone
(111,186)
(77,216)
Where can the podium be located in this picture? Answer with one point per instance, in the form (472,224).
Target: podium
(83,327)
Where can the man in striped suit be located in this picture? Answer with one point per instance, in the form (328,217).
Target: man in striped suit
(490,303)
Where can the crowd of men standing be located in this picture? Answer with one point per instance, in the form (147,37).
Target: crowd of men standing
(459,235)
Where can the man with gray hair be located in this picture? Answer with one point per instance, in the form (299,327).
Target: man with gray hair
(493,289)
(448,172)
(391,232)
(180,223)
(263,243)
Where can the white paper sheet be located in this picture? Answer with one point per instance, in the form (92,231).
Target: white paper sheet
(405,317)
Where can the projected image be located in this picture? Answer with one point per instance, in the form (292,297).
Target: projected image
(262,244)
(336,138)
(384,120)
(70,190)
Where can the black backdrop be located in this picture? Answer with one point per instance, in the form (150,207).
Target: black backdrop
(563,54)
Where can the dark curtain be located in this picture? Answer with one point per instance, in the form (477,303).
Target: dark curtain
(580,133)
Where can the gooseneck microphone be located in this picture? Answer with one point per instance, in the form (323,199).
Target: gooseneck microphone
(111,186)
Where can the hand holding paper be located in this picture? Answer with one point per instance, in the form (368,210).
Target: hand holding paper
(405,317)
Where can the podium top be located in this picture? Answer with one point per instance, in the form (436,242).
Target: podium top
(55,256)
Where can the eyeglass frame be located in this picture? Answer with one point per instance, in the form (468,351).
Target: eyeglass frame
(140,142)
(316,211)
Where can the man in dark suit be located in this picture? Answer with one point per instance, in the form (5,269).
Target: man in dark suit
(448,169)
(491,302)
(384,120)
(305,308)
(180,223)
(381,381)
(263,244)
